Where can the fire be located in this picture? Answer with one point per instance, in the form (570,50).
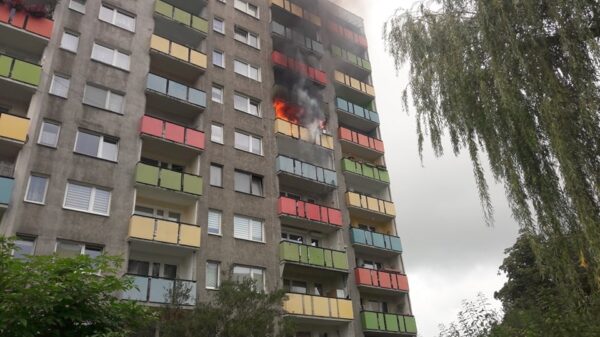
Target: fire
(293,113)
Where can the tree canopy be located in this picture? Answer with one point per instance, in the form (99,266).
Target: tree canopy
(516,81)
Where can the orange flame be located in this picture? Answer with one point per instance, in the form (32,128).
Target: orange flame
(292,113)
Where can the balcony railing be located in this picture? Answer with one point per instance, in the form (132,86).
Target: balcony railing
(366,170)
(296,66)
(171,180)
(360,139)
(181,16)
(161,230)
(14,127)
(299,132)
(355,109)
(160,290)
(22,20)
(172,132)
(375,240)
(309,211)
(296,36)
(350,57)
(297,11)
(6,187)
(176,90)
(370,204)
(305,170)
(353,83)
(20,71)
(346,33)
(318,306)
(313,256)
(180,52)
(389,323)
(381,279)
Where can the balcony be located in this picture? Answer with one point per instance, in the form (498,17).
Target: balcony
(314,257)
(351,87)
(164,231)
(351,63)
(388,324)
(152,176)
(283,35)
(297,11)
(299,132)
(159,290)
(365,177)
(176,59)
(19,78)
(369,207)
(356,116)
(375,243)
(302,175)
(324,309)
(380,282)
(25,33)
(309,216)
(6,187)
(176,23)
(360,145)
(281,60)
(167,137)
(351,38)
(13,134)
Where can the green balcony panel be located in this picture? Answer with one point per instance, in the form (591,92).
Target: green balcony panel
(289,251)
(340,260)
(352,58)
(316,256)
(391,322)
(303,254)
(378,240)
(163,8)
(366,64)
(395,243)
(192,184)
(381,321)
(336,51)
(348,165)
(368,171)
(26,72)
(170,179)
(199,24)
(358,236)
(401,324)
(328,259)
(182,16)
(384,176)
(369,321)
(5,63)
(410,324)
(147,174)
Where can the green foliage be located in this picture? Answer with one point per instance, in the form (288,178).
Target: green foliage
(517,81)
(47,296)
(476,319)
(236,310)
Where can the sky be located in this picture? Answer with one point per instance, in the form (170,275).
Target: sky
(449,253)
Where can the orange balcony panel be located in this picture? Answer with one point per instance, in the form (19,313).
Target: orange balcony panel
(402,282)
(384,280)
(345,134)
(40,26)
(363,276)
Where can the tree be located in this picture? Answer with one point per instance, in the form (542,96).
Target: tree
(236,310)
(518,81)
(476,319)
(48,296)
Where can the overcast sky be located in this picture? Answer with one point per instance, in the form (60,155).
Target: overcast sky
(449,253)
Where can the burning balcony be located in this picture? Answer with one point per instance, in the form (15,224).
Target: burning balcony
(281,60)
(308,215)
(369,207)
(299,132)
(360,145)
(351,87)
(176,23)
(23,31)
(388,323)
(164,231)
(356,116)
(310,256)
(375,243)
(297,11)
(380,281)
(302,175)
(284,35)
(164,179)
(167,137)
(176,59)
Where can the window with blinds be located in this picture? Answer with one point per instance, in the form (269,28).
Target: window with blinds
(87,199)
(248,228)
(212,275)
(214,221)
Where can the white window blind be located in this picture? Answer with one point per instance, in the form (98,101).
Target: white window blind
(247,228)
(117,18)
(212,275)
(87,199)
(110,56)
(103,99)
(214,221)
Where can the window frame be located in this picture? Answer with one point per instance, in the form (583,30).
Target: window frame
(71,33)
(212,96)
(116,11)
(250,144)
(222,53)
(249,101)
(115,54)
(92,198)
(252,177)
(100,145)
(28,238)
(218,275)
(246,10)
(212,210)
(107,101)
(220,167)
(50,90)
(248,66)
(246,39)
(39,141)
(47,182)
(253,270)
(250,219)
(212,133)
(222,21)
(78,9)
(84,246)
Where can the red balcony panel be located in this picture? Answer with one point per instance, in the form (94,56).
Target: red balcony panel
(40,26)
(378,145)
(335,217)
(279,58)
(19,19)
(287,206)
(345,134)
(194,138)
(313,212)
(311,72)
(362,41)
(348,34)
(374,278)
(152,126)
(301,209)
(320,76)
(394,280)
(402,282)
(363,140)
(363,276)
(384,280)
(4,13)
(302,68)
(174,132)
(324,214)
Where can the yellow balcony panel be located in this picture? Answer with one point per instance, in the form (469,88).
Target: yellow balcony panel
(389,208)
(327,141)
(166,231)
(141,227)
(14,127)
(159,43)
(373,204)
(277,2)
(339,76)
(333,307)
(307,303)
(345,309)
(305,134)
(180,52)
(321,306)
(198,58)
(295,131)
(284,127)
(294,304)
(353,199)
(190,235)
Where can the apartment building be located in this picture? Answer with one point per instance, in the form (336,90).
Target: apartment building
(205,140)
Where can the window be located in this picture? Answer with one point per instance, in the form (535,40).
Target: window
(59,86)
(72,249)
(24,245)
(110,56)
(219,25)
(218,58)
(248,143)
(77,5)
(247,228)
(247,70)
(86,198)
(217,93)
(246,37)
(69,41)
(216,175)
(153,269)
(246,104)
(241,273)
(214,221)
(212,275)
(117,18)
(248,183)
(157,213)
(216,133)
(96,145)
(36,189)
(49,134)
(103,99)
(247,8)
